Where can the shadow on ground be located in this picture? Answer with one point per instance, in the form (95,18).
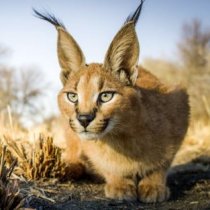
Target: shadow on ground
(189,184)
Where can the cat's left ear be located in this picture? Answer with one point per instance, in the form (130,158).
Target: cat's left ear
(123,53)
(122,56)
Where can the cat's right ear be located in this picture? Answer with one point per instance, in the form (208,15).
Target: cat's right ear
(70,55)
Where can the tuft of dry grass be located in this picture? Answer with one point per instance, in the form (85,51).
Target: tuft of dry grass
(40,160)
(37,155)
(10,196)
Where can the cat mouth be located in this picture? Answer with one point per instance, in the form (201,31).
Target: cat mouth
(90,132)
(98,129)
(94,133)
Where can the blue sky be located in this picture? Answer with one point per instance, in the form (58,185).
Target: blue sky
(93,23)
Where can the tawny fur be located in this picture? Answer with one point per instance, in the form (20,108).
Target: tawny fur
(153,122)
(132,138)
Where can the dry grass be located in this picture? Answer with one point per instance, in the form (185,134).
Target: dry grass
(36,161)
(196,143)
(37,155)
(40,160)
(37,158)
(10,196)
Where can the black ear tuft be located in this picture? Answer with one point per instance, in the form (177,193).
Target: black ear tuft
(133,17)
(49,18)
(70,55)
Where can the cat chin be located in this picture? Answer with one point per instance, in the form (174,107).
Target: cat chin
(92,136)
(89,136)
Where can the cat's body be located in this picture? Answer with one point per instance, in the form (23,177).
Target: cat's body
(121,122)
(150,131)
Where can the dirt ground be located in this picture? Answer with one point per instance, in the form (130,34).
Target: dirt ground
(189,184)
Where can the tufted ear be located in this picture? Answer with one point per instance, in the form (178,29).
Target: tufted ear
(70,55)
(122,56)
(123,53)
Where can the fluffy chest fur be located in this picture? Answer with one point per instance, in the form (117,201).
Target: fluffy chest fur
(106,160)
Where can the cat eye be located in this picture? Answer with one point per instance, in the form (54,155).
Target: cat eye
(106,96)
(73,97)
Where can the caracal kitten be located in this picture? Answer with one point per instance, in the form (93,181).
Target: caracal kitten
(121,121)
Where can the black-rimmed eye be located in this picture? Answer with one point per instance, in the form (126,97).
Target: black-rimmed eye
(73,97)
(106,96)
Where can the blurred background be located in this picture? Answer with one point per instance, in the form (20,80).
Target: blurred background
(174,38)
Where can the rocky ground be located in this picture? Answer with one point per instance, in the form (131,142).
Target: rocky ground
(189,184)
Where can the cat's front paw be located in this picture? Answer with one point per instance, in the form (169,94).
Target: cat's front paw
(73,171)
(152,193)
(125,190)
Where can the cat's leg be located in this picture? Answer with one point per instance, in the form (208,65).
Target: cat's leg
(75,166)
(120,188)
(152,188)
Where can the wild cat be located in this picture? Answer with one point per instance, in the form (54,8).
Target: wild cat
(121,121)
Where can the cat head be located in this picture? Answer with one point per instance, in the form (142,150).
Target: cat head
(97,99)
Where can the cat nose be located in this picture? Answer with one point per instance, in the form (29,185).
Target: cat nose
(85,119)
